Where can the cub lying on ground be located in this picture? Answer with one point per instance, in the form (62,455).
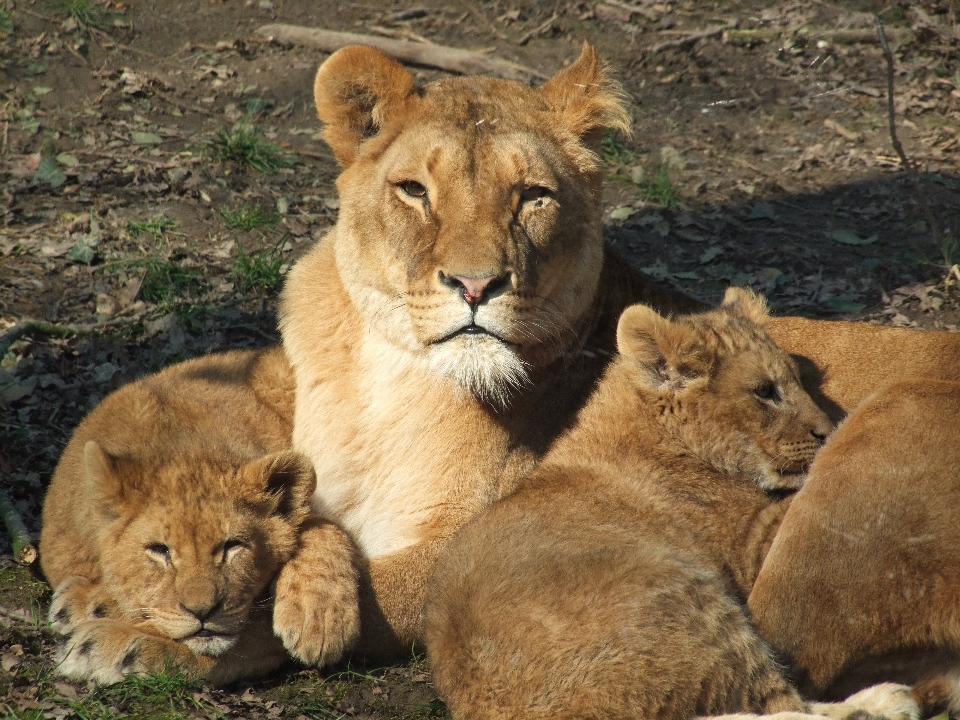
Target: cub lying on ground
(173,506)
(608,585)
(863,576)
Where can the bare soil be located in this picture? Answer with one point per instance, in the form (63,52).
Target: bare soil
(761,156)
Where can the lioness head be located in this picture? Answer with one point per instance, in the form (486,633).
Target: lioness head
(725,389)
(187,547)
(469,228)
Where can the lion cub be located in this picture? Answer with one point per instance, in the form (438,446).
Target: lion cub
(172,508)
(611,584)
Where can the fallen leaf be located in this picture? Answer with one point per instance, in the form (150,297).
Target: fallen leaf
(145,138)
(623,212)
(48,173)
(67,160)
(762,210)
(710,253)
(848,237)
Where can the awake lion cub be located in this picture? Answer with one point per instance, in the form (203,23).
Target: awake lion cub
(173,506)
(610,585)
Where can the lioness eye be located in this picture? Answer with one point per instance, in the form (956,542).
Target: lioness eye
(767,391)
(412,188)
(159,551)
(537,195)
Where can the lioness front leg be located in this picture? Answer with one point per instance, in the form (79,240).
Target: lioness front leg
(392,592)
(316,608)
(108,650)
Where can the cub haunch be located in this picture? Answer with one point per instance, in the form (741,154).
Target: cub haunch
(607,586)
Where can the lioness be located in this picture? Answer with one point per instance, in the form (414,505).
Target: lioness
(607,585)
(447,327)
(173,506)
(862,579)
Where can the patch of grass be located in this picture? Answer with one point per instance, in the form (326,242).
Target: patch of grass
(166,282)
(661,189)
(614,150)
(88,14)
(6,21)
(157,226)
(259,270)
(249,217)
(244,145)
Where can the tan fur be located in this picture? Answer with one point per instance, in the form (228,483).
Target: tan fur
(607,586)
(865,567)
(173,506)
(413,425)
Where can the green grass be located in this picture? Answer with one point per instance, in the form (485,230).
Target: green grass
(249,217)
(244,145)
(6,21)
(614,150)
(167,282)
(259,270)
(157,226)
(88,14)
(661,189)
(168,694)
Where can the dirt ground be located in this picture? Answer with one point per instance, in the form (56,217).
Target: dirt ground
(135,227)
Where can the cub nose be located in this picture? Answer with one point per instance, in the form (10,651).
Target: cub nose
(474,290)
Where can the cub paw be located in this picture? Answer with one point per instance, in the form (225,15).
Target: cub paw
(76,600)
(316,610)
(886,700)
(106,651)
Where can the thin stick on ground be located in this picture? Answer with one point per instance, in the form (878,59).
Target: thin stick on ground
(28,326)
(690,39)
(24,551)
(898,147)
(443,57)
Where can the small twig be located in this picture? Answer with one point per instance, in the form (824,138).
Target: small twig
(541,28)
(24,551)
(690,39)
(483,19)
(905,161)
(648,14)
(29,326)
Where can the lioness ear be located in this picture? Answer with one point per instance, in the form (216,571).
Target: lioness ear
(747,303)
(587,98)
(280,483)
(355,90)
(665,351)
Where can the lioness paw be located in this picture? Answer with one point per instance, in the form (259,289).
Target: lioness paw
(886,700)
(106,651)
(316,610)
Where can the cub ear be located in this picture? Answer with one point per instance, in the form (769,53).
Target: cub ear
(667,352)
(746,303)
(281,483)
(355,90)
(587,98)
(107,479)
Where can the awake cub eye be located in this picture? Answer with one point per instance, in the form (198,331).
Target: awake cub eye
(159,552)
(536,195)
(412,188)
(768,391)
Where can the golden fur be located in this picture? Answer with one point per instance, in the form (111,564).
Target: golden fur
(173,506)
(608,585)
(862,579)
(449,325)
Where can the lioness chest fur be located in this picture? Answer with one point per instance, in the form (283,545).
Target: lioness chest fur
(610,584)
(443,332)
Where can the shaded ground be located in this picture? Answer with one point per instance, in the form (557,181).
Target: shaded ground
(133,221)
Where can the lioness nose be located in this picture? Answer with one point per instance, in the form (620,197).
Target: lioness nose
(474,290)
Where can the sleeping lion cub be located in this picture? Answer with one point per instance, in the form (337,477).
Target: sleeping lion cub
(172,508)
(535,612)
